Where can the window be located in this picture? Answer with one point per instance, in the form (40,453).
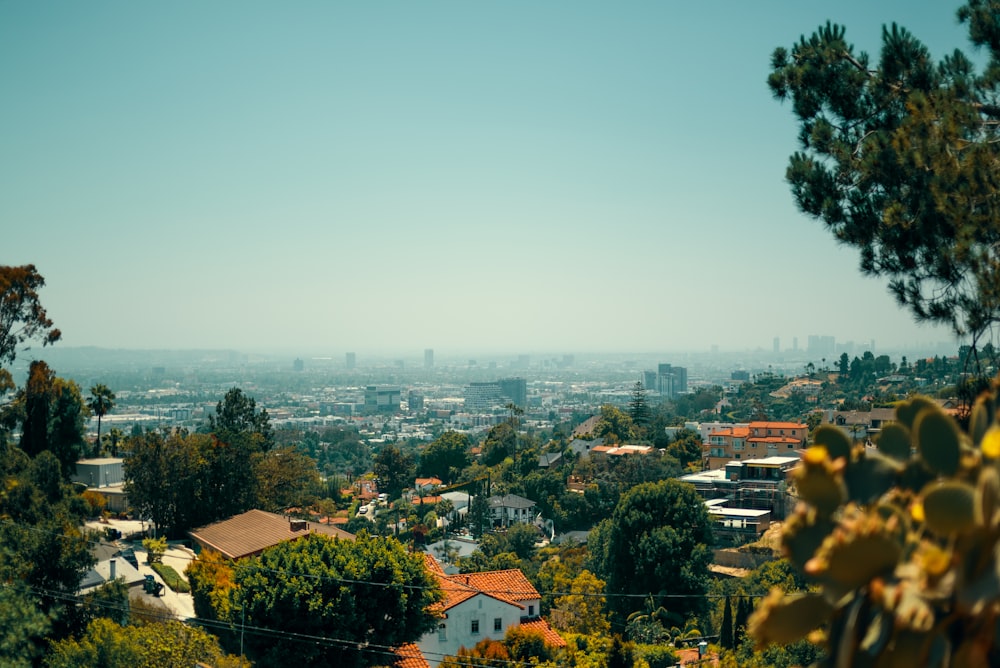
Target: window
(531,611)
(442,632)
(475,627)
(498,624)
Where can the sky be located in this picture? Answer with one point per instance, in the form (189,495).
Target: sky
(392,176)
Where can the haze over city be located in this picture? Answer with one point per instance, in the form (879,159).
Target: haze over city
(382,176)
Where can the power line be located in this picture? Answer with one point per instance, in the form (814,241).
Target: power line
(413,587)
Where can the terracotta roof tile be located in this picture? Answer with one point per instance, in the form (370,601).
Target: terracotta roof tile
(548,633)
(409,656)
(508,584)
(256,530)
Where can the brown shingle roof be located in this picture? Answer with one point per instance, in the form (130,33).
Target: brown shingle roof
(256,530)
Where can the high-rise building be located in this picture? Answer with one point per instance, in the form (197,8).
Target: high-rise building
(671,380)
(777,345)
(515,390)
(350,359)
(428,358)
(298,364)
(484,396)
(382,399)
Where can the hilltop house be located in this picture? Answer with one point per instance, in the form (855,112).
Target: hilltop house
(755,441)
(254,531)
(510,508)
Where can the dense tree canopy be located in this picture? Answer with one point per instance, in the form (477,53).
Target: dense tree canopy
(899,160)
(446,456)
(394,470)
(350,594)
(236,416)
(658,541)
(53,414)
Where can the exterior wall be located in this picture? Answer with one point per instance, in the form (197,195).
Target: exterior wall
(458,626)
(99,472)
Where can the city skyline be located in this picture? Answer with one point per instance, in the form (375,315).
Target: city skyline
(334,177)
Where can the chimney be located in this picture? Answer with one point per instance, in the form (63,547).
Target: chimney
(466,579)
(112,565)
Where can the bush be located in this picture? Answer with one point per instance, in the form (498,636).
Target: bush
(172,578)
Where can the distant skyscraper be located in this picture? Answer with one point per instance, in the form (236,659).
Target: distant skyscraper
(428,358)
(351,359)
(671,380)
(484,396)
(777,345)
(298,365)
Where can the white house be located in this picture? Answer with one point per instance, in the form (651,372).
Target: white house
(481,605)
(510,508)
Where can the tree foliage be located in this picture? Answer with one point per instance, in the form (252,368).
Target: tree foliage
(101,401)
(614,425)
(656,542)
(53,414)
(108,645)
(22,316)
(446,456)
(898,159)
(369,590)
(394,470)
(236,416)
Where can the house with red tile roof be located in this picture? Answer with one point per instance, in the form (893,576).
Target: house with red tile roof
(755,441)
(254,531)
(478,606)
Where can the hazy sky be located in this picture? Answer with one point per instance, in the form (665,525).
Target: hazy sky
(390,176)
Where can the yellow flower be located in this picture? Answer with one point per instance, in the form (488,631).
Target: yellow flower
(991,442)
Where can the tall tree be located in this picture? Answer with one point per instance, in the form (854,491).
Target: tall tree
(638,407)
(657,541)
(726,633)
(446,456)
(53,414)
(22,316)
(237,414)
(352,592)
(394,470)
(101,401)
(898,159)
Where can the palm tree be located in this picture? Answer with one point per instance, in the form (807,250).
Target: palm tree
(102,400)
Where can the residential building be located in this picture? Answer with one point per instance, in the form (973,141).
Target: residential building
(478,606)
(424,485)
(861,425)
(755,484)
(105,476)
(510,508)
(603,452)
(254,531)
(756,440)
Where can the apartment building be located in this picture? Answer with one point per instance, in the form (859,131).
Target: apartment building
(755,441)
